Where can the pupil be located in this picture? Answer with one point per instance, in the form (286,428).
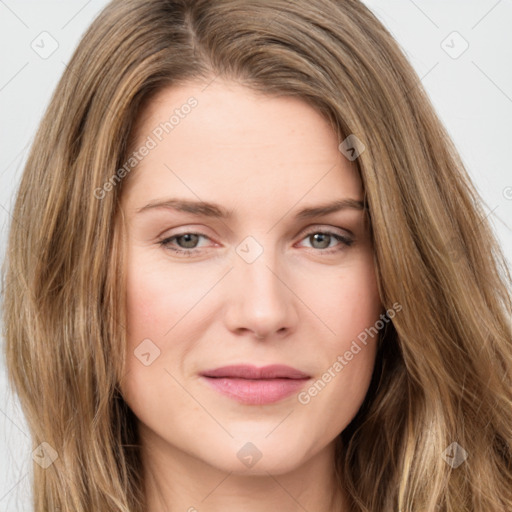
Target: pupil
(190,240)
(322,242)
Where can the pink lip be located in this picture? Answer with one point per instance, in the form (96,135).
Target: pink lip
(256,386)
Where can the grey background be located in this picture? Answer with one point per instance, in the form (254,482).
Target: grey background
(471,93)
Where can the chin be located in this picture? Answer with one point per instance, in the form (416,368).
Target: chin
(258,456)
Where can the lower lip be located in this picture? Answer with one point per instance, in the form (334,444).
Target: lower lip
(256,392)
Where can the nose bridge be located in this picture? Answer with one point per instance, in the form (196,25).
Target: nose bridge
(256,267)
(261,301)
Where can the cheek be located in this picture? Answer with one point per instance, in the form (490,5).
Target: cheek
(347,301)
(144,309)
(161,306)
(350,306)
(157,299)
(151,312)
(361,301)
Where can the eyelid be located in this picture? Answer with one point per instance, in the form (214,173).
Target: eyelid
(195,229)
(187,230)
(326,227)
(343,239)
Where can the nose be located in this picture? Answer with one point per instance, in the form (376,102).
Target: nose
(260,298)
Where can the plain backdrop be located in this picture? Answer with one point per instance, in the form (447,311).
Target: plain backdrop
(461,50)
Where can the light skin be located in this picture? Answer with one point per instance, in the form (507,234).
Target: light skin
(301,302)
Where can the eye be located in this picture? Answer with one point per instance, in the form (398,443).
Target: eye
(321,240)
(187,243)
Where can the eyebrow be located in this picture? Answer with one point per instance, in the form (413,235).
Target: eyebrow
(207,209)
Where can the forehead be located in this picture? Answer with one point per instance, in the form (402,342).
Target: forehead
(210,141)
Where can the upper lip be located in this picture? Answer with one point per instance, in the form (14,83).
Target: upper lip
(275,371)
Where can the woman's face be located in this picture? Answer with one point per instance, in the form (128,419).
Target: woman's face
(230,264)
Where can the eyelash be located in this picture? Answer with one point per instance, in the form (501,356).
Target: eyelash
(345,241)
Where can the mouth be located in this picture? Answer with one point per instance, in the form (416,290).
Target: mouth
(256,386)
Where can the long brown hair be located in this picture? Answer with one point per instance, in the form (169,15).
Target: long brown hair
(444,368)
